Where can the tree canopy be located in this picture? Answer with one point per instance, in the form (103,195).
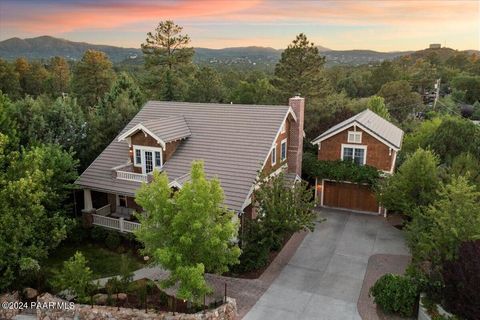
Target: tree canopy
(300,70)
(92,78)
(166,52)
(188,232)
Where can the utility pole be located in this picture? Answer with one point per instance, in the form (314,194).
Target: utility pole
(437,93)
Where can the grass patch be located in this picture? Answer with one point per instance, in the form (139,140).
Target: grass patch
(103,262)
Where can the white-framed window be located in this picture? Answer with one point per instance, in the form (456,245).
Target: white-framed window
(283,150)
(354,153)
(158,159)
(148,158)
(138,157)
(274,155)
(354,137)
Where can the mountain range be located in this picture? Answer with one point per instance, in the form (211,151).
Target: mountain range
(45,47)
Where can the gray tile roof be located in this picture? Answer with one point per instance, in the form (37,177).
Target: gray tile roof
(372,121)
(233,141)
(168,128)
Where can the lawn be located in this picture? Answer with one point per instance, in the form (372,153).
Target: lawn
(103,262)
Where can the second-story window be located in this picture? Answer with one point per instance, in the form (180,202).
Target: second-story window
(148,158)
(283,154)
(354,137)
(138,156)
(274,154)
(158,159)
(356,154)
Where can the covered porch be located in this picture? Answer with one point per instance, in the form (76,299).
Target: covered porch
(112,211)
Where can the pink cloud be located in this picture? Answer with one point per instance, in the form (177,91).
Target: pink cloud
(91,16)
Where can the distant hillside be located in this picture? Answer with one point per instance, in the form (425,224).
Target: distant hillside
(252,57)
(46,47)
(358,57)
(441,53)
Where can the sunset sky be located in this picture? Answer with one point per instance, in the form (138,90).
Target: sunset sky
(387,25)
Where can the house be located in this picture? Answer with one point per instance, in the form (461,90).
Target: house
(366,139)
(236,143)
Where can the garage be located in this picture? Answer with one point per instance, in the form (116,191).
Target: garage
(349,196)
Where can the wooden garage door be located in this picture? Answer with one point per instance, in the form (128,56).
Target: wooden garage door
(349,196)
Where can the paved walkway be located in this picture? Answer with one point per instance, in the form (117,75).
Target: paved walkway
(324,278)
(246,292)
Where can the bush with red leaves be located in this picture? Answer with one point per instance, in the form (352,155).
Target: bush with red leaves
(462,282)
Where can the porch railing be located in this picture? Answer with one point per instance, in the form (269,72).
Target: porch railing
(117,224)
(104,211)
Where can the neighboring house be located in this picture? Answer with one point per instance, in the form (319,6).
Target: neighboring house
(236,142)
(366,139)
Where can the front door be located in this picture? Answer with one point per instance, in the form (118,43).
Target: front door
(148,162)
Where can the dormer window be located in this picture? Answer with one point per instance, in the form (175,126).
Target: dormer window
(158,159)
(148,158)
(354,137)
(138,156)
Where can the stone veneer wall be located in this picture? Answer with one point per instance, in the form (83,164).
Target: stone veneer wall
(227,311)
(7,313)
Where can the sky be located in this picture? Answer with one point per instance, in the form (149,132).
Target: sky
(387,25)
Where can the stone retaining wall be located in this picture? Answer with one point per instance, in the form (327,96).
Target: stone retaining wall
(8,313)
(227,311)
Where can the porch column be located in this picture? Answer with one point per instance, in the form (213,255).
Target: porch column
(87,201)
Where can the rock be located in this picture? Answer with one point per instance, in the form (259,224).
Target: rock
(121,297)
(30,293)
(100,298)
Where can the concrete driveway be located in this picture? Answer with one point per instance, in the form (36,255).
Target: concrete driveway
(323,279)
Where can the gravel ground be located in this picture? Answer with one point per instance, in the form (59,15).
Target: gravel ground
(379,265)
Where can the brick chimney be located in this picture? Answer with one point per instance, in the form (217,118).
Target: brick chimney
(295,149)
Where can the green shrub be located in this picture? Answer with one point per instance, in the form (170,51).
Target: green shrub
(254,256)
(112,241)
(75,276)
(395,294)
(98,234)
(77,233)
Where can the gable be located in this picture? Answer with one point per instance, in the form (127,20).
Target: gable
(377,154)
(232,140)
(369,121)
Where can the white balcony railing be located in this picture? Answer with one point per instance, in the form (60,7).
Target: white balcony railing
(132,176)
(114,223)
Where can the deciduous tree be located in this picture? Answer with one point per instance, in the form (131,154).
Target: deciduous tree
(283,209)
(189,232)
(76,277)
(415,184)
(436,231)
(400,99)
(377,105)
(33,184)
